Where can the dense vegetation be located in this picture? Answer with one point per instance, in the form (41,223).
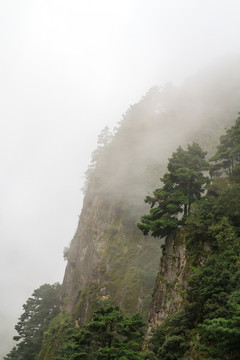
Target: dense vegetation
(39,310)
(183,185)
(109,335)
(208,326)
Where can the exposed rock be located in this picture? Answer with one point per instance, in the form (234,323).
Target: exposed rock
(108,260)
(171,283)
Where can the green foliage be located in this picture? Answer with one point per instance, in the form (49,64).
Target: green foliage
(39,309)
(208,325)
(169,341)
(217,279)
(182,186)
(109,335)
(14,354)
(221,335)
(104,139)
(60,331)
(227,157)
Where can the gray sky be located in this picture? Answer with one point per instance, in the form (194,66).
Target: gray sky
(67,69)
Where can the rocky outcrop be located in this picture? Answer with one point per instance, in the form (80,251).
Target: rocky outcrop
(171,283)
(84,255)
(109,259)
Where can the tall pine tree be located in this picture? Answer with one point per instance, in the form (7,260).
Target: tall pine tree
(39,309)
(182,185)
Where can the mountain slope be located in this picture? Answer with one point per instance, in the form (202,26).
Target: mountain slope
(108,254)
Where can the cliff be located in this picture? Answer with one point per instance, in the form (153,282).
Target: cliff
(171,283)
(108,260)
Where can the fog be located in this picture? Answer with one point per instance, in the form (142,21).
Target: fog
(68,68)
(131,163)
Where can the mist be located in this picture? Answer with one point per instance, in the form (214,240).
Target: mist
(68,69)
(134,157)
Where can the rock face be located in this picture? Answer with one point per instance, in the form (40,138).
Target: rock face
(108,260)
(171,283)
(84,256)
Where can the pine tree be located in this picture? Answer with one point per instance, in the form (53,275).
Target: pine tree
(109,335)
(227,158)
(39,309)
(182,185)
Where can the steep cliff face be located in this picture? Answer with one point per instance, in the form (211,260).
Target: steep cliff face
(110,260)
(175,271)
(171,283)
(84,256)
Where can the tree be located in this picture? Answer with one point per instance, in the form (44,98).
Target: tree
(14,354)
(104,138)
(39,309)
(169,340)
(109,335)
(208,325)
(182,185)
(227,157)
(220,336)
